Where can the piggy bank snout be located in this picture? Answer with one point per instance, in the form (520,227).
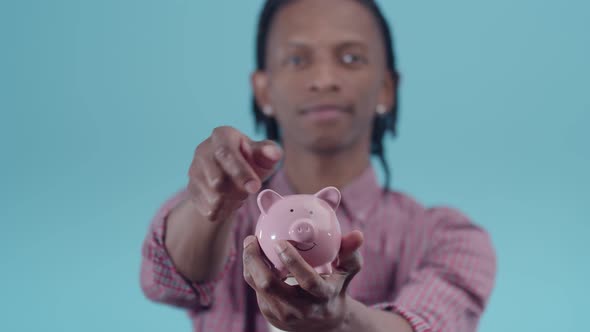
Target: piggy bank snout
(302,230)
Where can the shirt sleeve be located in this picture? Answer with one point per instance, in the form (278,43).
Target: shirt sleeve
(450,287)
(160,281)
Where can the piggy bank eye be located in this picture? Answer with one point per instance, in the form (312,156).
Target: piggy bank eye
(291,210)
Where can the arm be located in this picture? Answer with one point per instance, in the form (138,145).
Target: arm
(188,246)
(317,303)
(363,318)
(199,247)
(160,279)
(449,289)
(446,292)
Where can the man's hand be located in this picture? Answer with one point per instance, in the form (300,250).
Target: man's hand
(226,168)
(317,303)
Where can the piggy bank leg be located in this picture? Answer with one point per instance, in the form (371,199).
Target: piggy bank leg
(324,269)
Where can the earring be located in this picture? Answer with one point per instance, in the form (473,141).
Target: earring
(381,109)
(267,110)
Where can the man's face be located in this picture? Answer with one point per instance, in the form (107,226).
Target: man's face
(325,74)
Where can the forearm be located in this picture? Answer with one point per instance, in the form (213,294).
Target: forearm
(362,318)
(198,247)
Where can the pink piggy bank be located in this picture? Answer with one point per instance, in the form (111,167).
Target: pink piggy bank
(308,222)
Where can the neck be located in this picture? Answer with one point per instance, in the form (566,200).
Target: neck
(309,171)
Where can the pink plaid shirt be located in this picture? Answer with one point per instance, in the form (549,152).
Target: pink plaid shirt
(430,265)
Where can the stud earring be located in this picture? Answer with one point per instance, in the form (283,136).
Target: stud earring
(267,110)
(381,109)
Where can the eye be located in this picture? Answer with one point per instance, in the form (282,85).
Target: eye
(310,212)
(291,210)
(350,58)
(295,60)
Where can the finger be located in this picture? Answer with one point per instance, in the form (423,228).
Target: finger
(205,166)
(265,154)
(349,261)
(279,313)
(213,193)
(345,272)
(349,267)
(350,243)
(306,276)
(212,172)
(227,190)
(258,275)
(227,152)
(211,204)
(236,167)
(349,258)
(268,308)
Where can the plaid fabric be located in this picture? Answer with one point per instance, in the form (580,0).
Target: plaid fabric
(432,266)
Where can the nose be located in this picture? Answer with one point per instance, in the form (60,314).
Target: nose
(302,230)
(324,78)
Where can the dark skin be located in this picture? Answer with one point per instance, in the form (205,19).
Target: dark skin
(318,53)
(321,55)
(317,303)
(324,58)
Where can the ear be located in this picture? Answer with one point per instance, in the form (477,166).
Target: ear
(266,199)
(259,81)
(331,195)
(387,96)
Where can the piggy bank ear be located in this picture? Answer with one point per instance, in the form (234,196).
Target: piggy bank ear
(331,195)
(266,199)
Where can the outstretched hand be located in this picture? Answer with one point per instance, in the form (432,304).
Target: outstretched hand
(317,302)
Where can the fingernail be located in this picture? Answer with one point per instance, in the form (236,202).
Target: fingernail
(251,186)
(249,240)
(271,151)
(280,246)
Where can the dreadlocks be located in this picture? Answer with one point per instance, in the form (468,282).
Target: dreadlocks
(381,124)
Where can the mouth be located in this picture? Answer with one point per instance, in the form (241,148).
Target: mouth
(303,246)
(325,112)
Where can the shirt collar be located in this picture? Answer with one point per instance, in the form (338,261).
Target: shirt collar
(358,196)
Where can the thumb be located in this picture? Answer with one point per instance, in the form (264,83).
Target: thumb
(349,261)
(350,243)
(349,258)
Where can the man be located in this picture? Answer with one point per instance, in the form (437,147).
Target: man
(325,88)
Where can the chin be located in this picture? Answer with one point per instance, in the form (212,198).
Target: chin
(328,144)
(324,139)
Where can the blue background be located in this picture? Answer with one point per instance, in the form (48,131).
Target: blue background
(103,102)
